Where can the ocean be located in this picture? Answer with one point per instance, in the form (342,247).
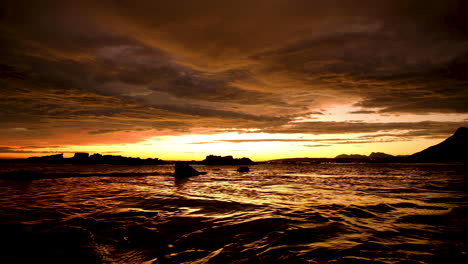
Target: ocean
(316,213)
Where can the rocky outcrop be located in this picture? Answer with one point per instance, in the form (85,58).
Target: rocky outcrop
(85,158)
(57,158)
(226,160)
(243,169)
(81,156)
(183,170)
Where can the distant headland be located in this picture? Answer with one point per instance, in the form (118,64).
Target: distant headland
(452,149)
(374,157)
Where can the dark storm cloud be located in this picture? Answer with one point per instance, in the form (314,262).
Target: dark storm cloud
(57,96)
(362,112)
(158,71)
(103,131)
(255,140)
(13,150)
(120,66)
(263,140)
(330,141)
(409,56)
(347,127)
(380,132)
(31,150)
(27,150)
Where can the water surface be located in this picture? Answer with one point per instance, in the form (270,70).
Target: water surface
(319,213)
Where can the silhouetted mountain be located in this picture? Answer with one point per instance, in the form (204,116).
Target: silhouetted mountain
(453,149)
(226,160)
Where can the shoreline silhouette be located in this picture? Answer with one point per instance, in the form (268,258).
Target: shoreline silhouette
(452,149)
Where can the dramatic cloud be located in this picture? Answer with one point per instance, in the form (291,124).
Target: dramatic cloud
(13,150)
(100,72)
(427,128)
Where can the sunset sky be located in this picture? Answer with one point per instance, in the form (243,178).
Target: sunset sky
(264,79)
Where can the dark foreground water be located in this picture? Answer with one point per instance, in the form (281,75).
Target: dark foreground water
(332,213)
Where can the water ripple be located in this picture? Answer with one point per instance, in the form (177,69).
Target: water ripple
(333,213)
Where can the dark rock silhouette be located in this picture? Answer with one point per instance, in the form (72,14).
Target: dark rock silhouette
(183,170)
(226,160)
(453,149)
(85,158)
(81,156)
(57,158)
(243,169)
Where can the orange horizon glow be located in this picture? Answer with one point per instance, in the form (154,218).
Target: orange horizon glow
(269,147)
(197,143)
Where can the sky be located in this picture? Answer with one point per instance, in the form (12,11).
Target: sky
(263,79)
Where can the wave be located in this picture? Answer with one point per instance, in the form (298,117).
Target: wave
(227,217)
(25,175)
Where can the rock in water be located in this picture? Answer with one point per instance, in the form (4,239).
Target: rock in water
(243,169)
(183,169)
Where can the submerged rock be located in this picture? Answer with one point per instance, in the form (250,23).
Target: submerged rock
(243,169)
(183,169)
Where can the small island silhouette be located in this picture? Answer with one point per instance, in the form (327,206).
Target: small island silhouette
(226,160)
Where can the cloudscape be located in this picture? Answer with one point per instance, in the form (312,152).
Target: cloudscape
(257,78)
